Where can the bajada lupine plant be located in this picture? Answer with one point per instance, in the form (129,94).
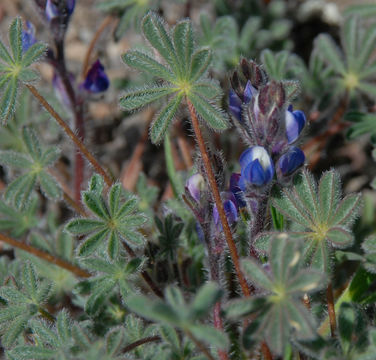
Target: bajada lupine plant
(231,250)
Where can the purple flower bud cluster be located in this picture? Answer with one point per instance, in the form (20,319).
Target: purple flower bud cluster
(262,112)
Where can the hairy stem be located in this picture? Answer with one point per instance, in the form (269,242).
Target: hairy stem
(45,256)
(140,342)
(200,345)
(78,111)
(98,168)
(331,309)
(217,198)
(218,324)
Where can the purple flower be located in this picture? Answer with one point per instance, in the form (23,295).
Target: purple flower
(53,10)
(28,36)
(295,122)
(194,185)
(291,160)
(236,102)
(236,190)
(256,167)
(96,79)
(231,210)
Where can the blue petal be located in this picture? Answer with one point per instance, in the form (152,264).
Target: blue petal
(246,157)
(51,10)
(96,79)
(231,211)
(248,92)
(295,122)
(236,190)
(291,160)
(254,173)
(70,6)
(235,105)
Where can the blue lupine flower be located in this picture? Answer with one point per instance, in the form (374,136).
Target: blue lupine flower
(235,189)
(231,210)
(195,184)
(295,122)
(28,36)
(235,102)
(291,160)
(256,167)
(52,10)
(96,79)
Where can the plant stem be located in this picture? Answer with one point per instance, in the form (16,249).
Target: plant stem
(200,345)
(218,324)
(78,111)
(47,315)
(98,168)
(144,274)
(331,309)
(140,342)
(106,21)
(218,200)
(45,256)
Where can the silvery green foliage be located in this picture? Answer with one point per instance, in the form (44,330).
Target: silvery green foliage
(319,217)
(277,308)
(15,68)
(34,162)
(114,221)
(176,312)
(353,69)
(183,69)
(23,300)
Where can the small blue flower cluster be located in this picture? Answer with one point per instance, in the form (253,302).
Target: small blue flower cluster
(269,125)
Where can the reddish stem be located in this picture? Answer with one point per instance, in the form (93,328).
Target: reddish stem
(45,256)
(218,201)
(218,324)
(140,342)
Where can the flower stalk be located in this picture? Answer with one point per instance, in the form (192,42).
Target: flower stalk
(218,201)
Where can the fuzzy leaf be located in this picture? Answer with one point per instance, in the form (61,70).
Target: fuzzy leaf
(211,114)
(329,51)
(329,190)
(256,274)
(347,210)
(91,243)
(162,121)
(49,186)
(144,62)
(205,299)
(184,43)
(201,60)
(155,32)
(15,39)
(137,98)
(84,226)
(210,335)
(33,54)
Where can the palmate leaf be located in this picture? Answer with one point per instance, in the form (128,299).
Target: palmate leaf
(109,276)
(14,68)
(183,71)
(177,313)
(34,163)
(354,69)
(279,311)
(22,304)
(115,219)
(320,218)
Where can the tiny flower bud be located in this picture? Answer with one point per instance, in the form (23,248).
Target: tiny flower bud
(54,9)
(195,185)
(28,36)
(236,101)
(96,79)
(289,162)
(256,167)
(295,122)
(230,209)
(235,189)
